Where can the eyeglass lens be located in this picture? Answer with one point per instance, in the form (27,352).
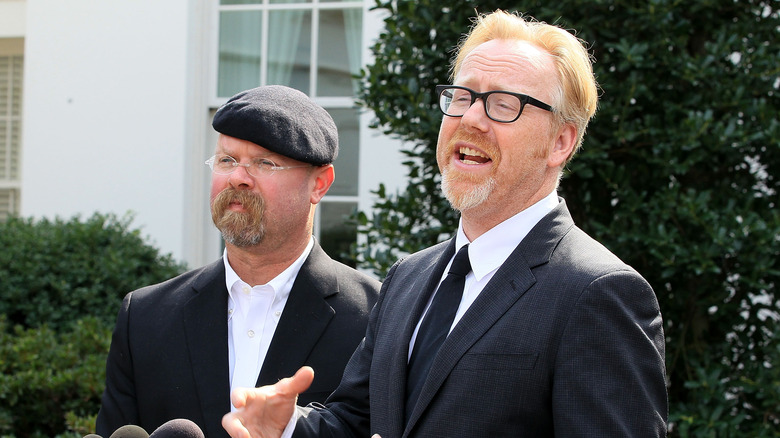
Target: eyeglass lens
(500,106)
(225,164)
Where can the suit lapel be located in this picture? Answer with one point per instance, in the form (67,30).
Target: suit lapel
(503,290)
(510,282)
(314,283)
(206,332)
(426,277)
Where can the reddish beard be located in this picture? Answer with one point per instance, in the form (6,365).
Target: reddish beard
(476,189)
(239,228)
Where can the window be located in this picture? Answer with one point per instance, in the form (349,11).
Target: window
(314,46)
(10,131)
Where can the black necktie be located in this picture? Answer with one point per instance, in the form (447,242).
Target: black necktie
(435,327)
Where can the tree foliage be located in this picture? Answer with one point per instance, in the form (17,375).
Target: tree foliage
(57,271)
(61,285)
(52,380)
(678,175)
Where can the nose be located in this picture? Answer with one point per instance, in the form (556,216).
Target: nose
(240,177)
(475,116)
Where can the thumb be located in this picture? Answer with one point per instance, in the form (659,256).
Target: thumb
(292,386)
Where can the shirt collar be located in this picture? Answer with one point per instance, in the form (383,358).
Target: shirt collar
(281,284)
(489,251)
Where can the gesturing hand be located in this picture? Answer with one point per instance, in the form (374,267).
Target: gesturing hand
(264,412)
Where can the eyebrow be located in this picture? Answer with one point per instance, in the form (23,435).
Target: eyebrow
(272,156)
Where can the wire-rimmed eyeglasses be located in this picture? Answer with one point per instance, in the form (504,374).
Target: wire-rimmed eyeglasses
(225,165)
(501,106)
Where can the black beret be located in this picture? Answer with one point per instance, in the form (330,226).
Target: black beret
(282,120)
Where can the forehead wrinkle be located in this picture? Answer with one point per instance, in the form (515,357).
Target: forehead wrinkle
(518,51)
(505,61)
(525,65)
(228,147)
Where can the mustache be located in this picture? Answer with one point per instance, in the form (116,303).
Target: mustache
(476,139)
(239,228)
(252,202)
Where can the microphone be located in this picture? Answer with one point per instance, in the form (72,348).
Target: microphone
(178,428)
(130,431)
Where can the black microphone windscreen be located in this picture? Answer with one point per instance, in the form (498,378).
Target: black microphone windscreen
(178,428)
(130,431)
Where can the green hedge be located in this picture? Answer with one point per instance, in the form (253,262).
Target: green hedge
(54,272)
(50,374)
(61,285)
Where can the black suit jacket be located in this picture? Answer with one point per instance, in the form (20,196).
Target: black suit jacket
(565,340)
(169,354)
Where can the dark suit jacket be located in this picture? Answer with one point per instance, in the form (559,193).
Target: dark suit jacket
(565,340)
(169,352)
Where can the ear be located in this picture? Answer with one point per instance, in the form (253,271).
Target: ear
(323,177)
(563,145)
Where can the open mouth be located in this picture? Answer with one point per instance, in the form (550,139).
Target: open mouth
(472,156)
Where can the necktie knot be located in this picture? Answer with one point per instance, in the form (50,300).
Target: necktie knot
(461,264)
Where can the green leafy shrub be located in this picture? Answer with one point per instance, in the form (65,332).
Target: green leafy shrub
(50,375)
(55,272)
(678,175)
(61,285)
(732,405)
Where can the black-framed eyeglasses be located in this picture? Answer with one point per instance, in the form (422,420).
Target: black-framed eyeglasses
(225,164)
(501,106)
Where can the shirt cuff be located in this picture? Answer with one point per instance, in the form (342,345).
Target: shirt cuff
(288,431)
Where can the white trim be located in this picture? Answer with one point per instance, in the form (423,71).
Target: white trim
(201,241)
(13,18)
(314,53)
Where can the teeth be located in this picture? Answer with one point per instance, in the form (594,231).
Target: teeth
(472,152)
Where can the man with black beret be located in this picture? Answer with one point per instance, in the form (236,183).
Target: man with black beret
(274,302)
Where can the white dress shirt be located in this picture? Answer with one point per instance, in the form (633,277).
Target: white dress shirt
(253,314)
(489,251)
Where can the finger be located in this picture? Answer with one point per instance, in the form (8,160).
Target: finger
(232,424)
(238,397)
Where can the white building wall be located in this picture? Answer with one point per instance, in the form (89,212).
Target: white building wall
(103,121)
(116,117)
(12,18)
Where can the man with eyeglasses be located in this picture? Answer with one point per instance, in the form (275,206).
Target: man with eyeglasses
(519,326)
(275,301)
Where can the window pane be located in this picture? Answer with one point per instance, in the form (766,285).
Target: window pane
(346,164)
(16,88)
(9,203)
(5,152)
(5,84)
(240,2)
(239,51)
(339,51)
(336,233)
(289,49)
(14,161)
(289,1)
